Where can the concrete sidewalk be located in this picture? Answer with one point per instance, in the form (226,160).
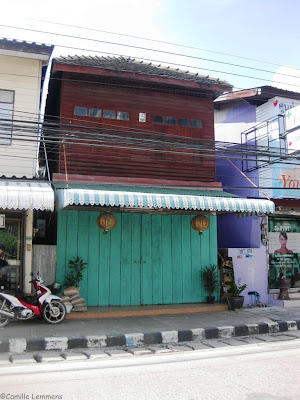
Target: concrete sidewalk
(36,335)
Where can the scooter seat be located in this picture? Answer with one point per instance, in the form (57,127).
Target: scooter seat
(30,299)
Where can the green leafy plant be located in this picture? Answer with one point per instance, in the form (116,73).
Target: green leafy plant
(75,274)
(210,278)
(9,243)
(236,288)
(285,270)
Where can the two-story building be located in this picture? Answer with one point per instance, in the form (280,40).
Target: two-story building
(131,147)
(258,125)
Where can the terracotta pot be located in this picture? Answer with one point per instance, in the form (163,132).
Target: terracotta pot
(210,299)
(284,282)
(284,285)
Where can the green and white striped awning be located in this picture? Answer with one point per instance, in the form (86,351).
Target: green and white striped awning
(205,201)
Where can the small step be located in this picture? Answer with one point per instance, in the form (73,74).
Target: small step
(135,311)
(294,295)
(291,303)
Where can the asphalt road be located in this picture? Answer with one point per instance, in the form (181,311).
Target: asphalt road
(264,371)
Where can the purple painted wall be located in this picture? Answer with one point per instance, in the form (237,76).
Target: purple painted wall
(232,179)
(242,112)
(250,267)
(234,232)
(244,232)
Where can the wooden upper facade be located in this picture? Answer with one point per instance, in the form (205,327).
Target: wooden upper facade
(120,118)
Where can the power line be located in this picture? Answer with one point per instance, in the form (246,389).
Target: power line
(162,52)
(152,137)
(155,61)
(151,60)
(115,141)
(117,159)
(183,143)
(109,130)
(148,49)
(160,41)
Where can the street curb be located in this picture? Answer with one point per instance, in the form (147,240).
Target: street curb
(21,345)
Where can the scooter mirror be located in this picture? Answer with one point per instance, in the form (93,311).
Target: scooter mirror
(31,273)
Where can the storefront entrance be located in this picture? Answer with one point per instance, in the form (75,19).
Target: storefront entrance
(145,259)
(11,251)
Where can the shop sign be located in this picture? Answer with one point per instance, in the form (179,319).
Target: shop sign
(284,251)
(292,118)
(287,180)
(293,141)
(279,105)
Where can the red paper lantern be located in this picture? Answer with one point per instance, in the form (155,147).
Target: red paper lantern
(106,221)
(200,223)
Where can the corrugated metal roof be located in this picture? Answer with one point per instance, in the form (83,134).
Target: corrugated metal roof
(258,95)
(122,64)
(25,47)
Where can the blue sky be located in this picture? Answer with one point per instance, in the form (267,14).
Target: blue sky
(263,30)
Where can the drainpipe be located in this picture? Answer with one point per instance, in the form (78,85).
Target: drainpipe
(28,251)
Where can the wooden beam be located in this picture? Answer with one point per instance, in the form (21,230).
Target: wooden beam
(72,178)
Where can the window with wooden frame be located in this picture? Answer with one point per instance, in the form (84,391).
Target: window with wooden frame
(6,115)
(95,112)
(196,123)
(109,114)
(171,121)
(81,111)
(183,122)
(158,119)
(123,115)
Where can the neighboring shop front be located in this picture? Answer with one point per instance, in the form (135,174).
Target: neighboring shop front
(11,249)
(284,227)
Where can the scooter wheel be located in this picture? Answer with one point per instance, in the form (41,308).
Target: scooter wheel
(55,312)
(3,319)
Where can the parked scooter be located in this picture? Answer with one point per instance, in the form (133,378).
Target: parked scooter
(46,305)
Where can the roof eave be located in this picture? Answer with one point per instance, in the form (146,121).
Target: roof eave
(217,88)
(28,49)
(263,93)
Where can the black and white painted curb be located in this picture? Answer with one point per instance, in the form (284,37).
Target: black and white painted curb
(19,346)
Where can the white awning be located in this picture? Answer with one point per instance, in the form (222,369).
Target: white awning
(26,195)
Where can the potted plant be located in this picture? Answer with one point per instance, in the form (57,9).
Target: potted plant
(71,295)
(235,300)
(210,280)
(75,274)
(284,276)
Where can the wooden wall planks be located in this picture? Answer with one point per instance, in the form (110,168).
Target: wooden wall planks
(110,161)
(146,259)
